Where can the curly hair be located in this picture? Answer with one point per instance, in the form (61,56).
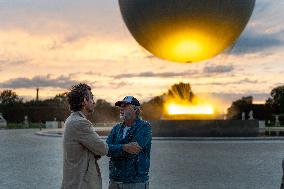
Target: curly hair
(76,96)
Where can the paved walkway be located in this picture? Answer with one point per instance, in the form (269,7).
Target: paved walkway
(29,161)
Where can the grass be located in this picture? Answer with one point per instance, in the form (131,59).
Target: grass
(23,126)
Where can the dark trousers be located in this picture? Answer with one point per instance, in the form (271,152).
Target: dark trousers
(120,185)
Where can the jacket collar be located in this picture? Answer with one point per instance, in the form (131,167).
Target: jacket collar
(80,113)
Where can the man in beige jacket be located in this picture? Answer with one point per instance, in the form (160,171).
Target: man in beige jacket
(82,146)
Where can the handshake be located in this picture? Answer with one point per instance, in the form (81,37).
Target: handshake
(132,148)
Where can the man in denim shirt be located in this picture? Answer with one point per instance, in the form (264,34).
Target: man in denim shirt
(129,148)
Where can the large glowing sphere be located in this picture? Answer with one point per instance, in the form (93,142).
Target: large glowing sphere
(186,30)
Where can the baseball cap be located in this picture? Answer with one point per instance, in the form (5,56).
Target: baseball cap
(128,100)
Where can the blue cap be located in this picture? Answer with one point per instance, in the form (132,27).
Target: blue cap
(128,100)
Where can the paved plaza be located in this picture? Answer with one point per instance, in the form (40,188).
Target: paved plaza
(29,161)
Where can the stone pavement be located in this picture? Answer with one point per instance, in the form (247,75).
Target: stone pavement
(29,161)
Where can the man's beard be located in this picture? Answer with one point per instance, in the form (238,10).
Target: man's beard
(125,116)
(89,109)
(121,117)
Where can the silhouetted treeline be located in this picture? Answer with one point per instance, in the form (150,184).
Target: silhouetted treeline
(153,109)
(104,112)
(245,105)
(274,105)
(14,109)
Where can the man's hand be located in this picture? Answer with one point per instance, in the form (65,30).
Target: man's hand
(132,148)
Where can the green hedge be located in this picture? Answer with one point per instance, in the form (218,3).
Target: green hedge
(23,126)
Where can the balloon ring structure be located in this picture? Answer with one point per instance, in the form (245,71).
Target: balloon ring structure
(186,30)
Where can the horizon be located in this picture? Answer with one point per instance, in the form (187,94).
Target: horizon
(220,106)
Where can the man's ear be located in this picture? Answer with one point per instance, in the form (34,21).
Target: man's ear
(84,101)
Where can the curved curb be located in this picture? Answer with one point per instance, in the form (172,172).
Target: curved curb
(59,133)
(50,133)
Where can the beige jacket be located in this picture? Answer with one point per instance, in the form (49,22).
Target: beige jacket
(80,146)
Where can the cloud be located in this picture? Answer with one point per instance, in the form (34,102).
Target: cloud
(218,69)
(254,41)
(117,85)
(153,74)
(62,82)
(279,84)
(88,73)
(264,30)
(240,82)
(246,80)
(151,56)
(207,71)
(235,96)
(61,49)
(10,62)
(261,42)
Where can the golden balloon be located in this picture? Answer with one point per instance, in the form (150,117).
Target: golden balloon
(186,30)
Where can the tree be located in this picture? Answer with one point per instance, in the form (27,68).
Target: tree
(181,91)
(152,110)
(62,97)
(104,112)
(242,105)
(9,97)
(276,101)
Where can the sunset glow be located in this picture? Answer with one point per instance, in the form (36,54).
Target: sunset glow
(178,109)
(184,46)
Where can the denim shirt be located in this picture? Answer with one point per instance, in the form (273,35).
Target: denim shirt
(125,167)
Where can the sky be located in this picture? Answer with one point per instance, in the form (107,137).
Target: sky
(54,44)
